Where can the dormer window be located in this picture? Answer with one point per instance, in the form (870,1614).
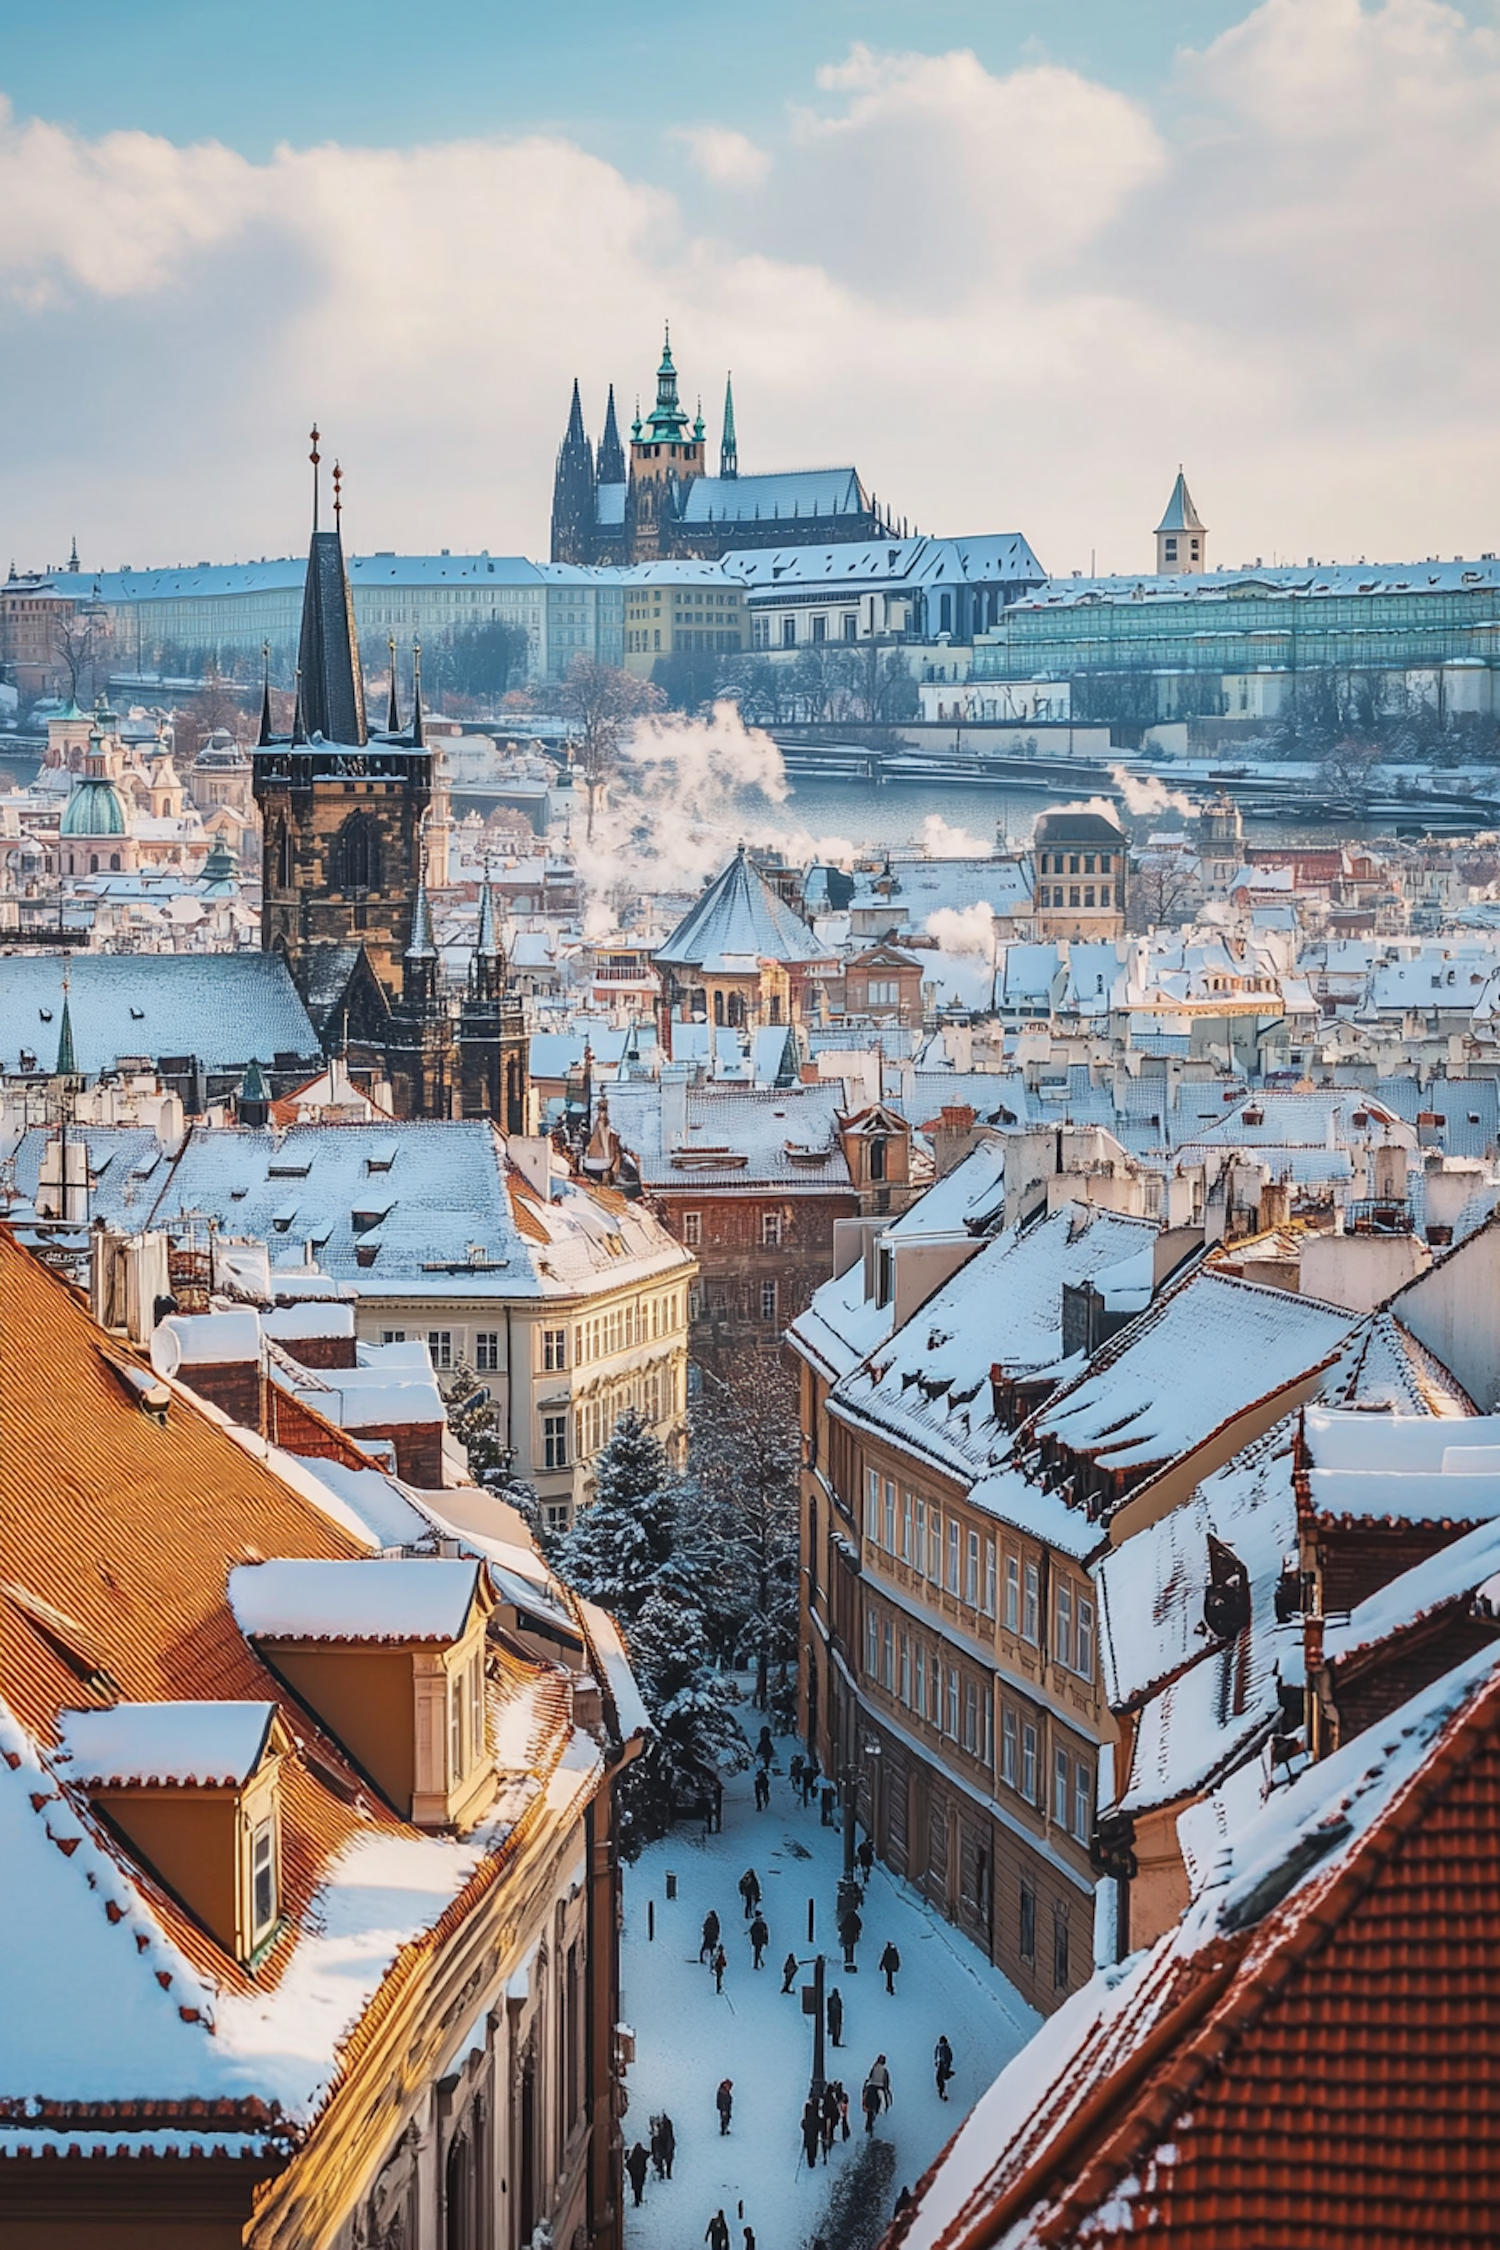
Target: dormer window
(263,1884)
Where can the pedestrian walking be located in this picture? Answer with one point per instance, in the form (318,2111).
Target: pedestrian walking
(830,2114)
(762,1789)
(636,2164)
(870,2103)
(720,1964)
(668,2142)
(942,2064)
(812,2132)
(851,1930)
(836,2017)
(760,1938)
(789,1972)
(794,1770)
(765,1748)
(865,1854)
(890,1962)
(809,1780)
(724,2104)
(843,2109)
(749,2238)
(880,2078)
(716,2233)
(710,1936)
(749,1888)
(828,1798)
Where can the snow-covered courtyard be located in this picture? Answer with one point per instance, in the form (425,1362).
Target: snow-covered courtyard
(688,2037)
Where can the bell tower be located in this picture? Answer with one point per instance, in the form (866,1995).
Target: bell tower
(666,456)
(341,807)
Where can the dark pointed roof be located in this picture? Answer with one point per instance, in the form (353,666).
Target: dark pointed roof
(392,705)
(423,946)
(266,733)
(67,1067)
(729,452)
(1181,515)
(739,914)
(611,454)
(331,688)
(487,943)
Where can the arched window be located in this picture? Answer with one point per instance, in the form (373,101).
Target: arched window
(281,856)
(945,611)
(114,861)
(356,855)
(737,1010)
(718,1008)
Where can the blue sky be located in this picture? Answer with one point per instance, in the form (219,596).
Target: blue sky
(1014,274)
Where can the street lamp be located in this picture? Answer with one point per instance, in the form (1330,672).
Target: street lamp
(868,1748)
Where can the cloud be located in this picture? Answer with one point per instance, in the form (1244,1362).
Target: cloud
(727,158)
(943,841)
(1015,300)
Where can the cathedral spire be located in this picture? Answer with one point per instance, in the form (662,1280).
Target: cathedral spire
(729,458)
(418,734)
(487,970)
(573,489)
(332,691)
(423,946)
(392,706)
(610,459)
(263,738)
(668,422)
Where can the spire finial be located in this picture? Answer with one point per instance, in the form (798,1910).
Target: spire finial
(265,695)
(392,707)
(338,495)
(418,737)
(315,457)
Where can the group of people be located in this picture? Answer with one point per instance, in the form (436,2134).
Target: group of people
(639,2160)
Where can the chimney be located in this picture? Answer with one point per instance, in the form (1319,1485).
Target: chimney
(673,1109)
(952,1137)
(1389,1182)
(218,1355)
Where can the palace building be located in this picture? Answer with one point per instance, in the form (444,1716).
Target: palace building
(662,502)
(345,898)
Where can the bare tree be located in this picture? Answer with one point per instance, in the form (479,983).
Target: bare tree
(743,1460)
(1350,768)
(1164,889)
(79,640)
(600,704)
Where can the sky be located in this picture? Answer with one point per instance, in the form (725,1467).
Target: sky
(1015,264)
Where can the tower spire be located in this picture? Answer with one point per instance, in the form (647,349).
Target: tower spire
(668,422)
(315,457)
(264,736)
(418,736)
(610,459)
(392,707)
(332,688)
(729,458)
(573,490)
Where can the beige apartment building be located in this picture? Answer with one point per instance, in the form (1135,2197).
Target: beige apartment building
(674,608)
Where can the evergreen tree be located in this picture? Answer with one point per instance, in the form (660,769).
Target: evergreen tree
(620,1542)
(474,1422)
(744,1467)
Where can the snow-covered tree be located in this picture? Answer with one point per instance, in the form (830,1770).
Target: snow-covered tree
(475,1423)
(744,1465)
(621,1540)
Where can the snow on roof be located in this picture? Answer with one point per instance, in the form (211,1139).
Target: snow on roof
(1448,1494)
(1385,1366)
(1204,1351)
(930,1386)
(788,1135)
(1394,1443)
(1454,1574)
(1013,1498)
(380,1503)
(222,1007)
(848,565)
(739,914)
(187,1745)
(631,1716)
(1209,1717)
(354,1601)
(791,493)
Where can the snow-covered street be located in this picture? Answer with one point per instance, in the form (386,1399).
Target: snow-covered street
(688,2038)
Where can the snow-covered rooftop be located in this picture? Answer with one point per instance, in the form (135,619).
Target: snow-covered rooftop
(222,1007)
(184,1745)
(371,1600)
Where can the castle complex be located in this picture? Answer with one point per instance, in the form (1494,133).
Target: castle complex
(663,502)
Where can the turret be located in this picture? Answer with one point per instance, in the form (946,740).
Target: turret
(729,458)
(1181,536)
(573,489)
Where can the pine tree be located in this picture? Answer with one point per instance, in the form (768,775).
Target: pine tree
(625,1535)
(475,1423)
(744,1466)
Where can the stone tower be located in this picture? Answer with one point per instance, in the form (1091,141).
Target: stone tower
(1181,536)
(666,456)
(573,490)
(342,812)
(492,1041)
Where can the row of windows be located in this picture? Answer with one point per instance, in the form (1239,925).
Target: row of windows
(763,636)
(1094,863)
(655,1393)
(770,1230)
(912,1529)
(1051,894)
(948,1696)
(641,1321)
(718,1302)
(1072,1778)
(1072,1615)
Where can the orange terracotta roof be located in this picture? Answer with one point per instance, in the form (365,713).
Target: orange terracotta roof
(1329,2074)
(525,1204)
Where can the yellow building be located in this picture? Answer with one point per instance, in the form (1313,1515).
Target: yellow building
(1078,876)
(673,608)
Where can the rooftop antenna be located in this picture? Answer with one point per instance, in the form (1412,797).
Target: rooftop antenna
(315,457)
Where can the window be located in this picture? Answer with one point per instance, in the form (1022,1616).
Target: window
(770,1230)
(440,1345)
(1012,1594)
(1008,1747)
(1083,1659)
(935,1546)
(692,1230)
(789,632)
(1028,1923)
(456,1763)
(884,992)
(920,1698)
(487,1350)
(555,1441)
(1072,894)
(1059,1947)
(851,625)
(906,1528)
(952,1554)
(1031,1607)
(1064,1644)
(887,1656)
(262,1879)
(971,1572)
(554,1349)
(872,1644)
(1083,1801)
(1088,894)
(919,1538)
(1060,1787)
(951,1723)
(768,1300)
(1028,1762)
(971,1717)
(905,1670)
(989,1578)
(393,1335)
(872,1505)
(888,1539)
(820,628)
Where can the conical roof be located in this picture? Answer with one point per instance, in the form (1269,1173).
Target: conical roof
(331,687)
(423,946)
(740,914)
(67,1066)
(1181,515)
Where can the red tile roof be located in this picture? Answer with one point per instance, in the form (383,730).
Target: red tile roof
(1328,2074)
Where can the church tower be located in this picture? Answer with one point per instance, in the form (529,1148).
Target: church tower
(342,812)
(573,490)
(419,1043)
(493,1064)
(729,452)
(1181,536)
(666,456)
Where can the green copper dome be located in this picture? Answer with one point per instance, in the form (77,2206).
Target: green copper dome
(94,809)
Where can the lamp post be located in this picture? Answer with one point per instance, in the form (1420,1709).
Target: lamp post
(850,1779)
(812,2005)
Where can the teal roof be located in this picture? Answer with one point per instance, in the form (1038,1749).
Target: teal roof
(1181,515)
(94,809)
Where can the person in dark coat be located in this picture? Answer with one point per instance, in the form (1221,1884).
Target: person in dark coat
(720,1964)
(865,1854)
(637,2164)
(789,1972)
(870,2103)
(765,1748)
(749,2235)
(716,2233)
(762,1789)
(942,2064)
(760,1938)
(809,1780)
(890,1962)
(749,1889)
(836,2017)
(724,2104)
(880,2079)
(851,1930)
(812,2131)
(831,2093)
(710,1936)
(794,1770)
(903,2198)
(843,2109)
